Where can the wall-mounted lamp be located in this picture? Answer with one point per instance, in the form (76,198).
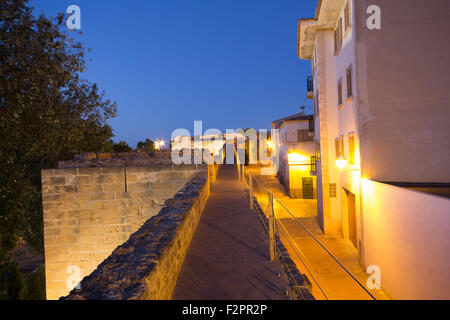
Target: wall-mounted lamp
(298,159)
(341,162)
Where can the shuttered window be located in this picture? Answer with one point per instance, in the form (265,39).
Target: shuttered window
(339,93)
(338,36)
(339,147)
(347,15)
(336,45)
(351,148)
(316,104)
(349,82)
(311,125)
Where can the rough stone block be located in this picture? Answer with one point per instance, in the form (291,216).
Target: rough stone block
(103,196)
(56,181)
(113,187)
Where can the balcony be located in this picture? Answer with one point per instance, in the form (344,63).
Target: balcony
(310,87)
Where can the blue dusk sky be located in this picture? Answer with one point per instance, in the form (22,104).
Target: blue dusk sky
(230,63)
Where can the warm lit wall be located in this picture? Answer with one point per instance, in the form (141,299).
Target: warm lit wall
(403,87)
(296,175)
(329,212)
(87,213)
(147,265)
(406,233)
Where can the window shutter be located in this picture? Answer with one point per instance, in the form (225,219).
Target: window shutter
(311,125)
(347,16)
(339,93)
(335,41)
(349,83)
(337,144)
(351,148)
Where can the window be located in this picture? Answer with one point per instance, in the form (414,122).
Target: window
(347,15)
(317,150)
(349,82)
(311,125)
(338,37)
(313,166)
(351,148)
(303,136)
(339,93)
(335,41)
(316,104)
(339,147)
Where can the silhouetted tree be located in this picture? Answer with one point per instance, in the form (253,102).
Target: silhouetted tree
(47,114)
(122,146)
(147,146)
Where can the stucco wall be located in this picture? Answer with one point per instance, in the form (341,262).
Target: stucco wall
(87,214)
(406,235)
(403,90)
(325,80)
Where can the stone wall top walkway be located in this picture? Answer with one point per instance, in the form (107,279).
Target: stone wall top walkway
(229,258)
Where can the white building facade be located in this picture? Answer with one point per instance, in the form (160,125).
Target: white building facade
(378,131)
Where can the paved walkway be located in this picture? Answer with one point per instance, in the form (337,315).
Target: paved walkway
(329,280)
(228,257)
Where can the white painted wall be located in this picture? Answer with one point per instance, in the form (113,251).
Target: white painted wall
(406,234)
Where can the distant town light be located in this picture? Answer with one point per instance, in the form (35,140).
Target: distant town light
(159,144)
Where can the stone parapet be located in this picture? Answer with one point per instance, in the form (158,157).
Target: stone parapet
(88,212)
(147,265)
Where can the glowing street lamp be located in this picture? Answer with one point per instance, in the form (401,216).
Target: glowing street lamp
(341,163)
(159,144)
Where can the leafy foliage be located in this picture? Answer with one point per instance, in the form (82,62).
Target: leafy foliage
(47,114)
(122,146)
(147,146)
(15,286)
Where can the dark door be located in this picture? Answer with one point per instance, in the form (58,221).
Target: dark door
(352,218)
(308,188)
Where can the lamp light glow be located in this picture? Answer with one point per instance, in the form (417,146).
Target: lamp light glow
(297,158)
(341,163)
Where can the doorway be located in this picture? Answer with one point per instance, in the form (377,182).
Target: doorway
(351,216)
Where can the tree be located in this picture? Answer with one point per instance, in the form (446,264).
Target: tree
(147,146)
(47,114)
(122,146)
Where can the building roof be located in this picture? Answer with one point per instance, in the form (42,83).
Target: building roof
(319,6)
(327,14)
(296,117)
